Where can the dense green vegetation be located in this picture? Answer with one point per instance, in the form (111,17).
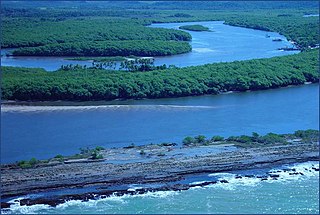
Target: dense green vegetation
(108,48)
(304,32)
(28,164)
(27,32)
(30,24)
(95,84)
(194,28)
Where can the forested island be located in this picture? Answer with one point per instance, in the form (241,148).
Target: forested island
(194,28)
(108,48)
(85,84)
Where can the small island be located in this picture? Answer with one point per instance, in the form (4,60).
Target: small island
(194,28)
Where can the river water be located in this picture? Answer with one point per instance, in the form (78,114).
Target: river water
(224,44)
(45,131)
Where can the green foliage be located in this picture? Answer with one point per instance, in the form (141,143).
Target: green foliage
(307,135)
(188,141)
(95,84)
(197,140)
(200,139)
(181,15)
(95,155)
(300,30)
(140,65)
(30,27)
(194,28)
(217,138)
(269,138)
(255,136)
(28,164)
(99,148)
(33,161)
(59,156)
(27,32)
(108,48)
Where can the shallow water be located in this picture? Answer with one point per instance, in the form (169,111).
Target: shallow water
(226,43)
(288,194)
(60,130)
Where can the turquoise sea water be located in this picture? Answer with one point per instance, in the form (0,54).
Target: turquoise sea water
(298,194)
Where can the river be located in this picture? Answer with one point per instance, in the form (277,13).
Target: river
(49,131)
(224,44)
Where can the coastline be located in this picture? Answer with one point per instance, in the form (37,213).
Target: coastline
(26,106)
(165,170)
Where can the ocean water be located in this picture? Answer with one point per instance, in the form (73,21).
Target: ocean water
(298,194)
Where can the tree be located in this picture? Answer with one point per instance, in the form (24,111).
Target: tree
(188,140)
(217,138)
(200,138)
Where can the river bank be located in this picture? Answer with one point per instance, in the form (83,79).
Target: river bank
(30,106)
(158,164)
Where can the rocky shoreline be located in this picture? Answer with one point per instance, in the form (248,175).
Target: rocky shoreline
(167,171)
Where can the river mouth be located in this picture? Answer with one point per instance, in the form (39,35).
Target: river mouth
(224,44)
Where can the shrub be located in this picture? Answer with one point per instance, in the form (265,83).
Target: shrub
(272,138)
(217,138)
(188,141)
(33,161)
(59,156)
(200,138)
(95,155)
(99,148)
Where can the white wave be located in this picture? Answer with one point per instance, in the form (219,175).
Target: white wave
(285,173)
(233,183)
(221,174)
(302,171)
(17,209)
(197,182)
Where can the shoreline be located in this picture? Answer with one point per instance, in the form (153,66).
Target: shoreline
(291,171)
(24,106)
(166,171)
